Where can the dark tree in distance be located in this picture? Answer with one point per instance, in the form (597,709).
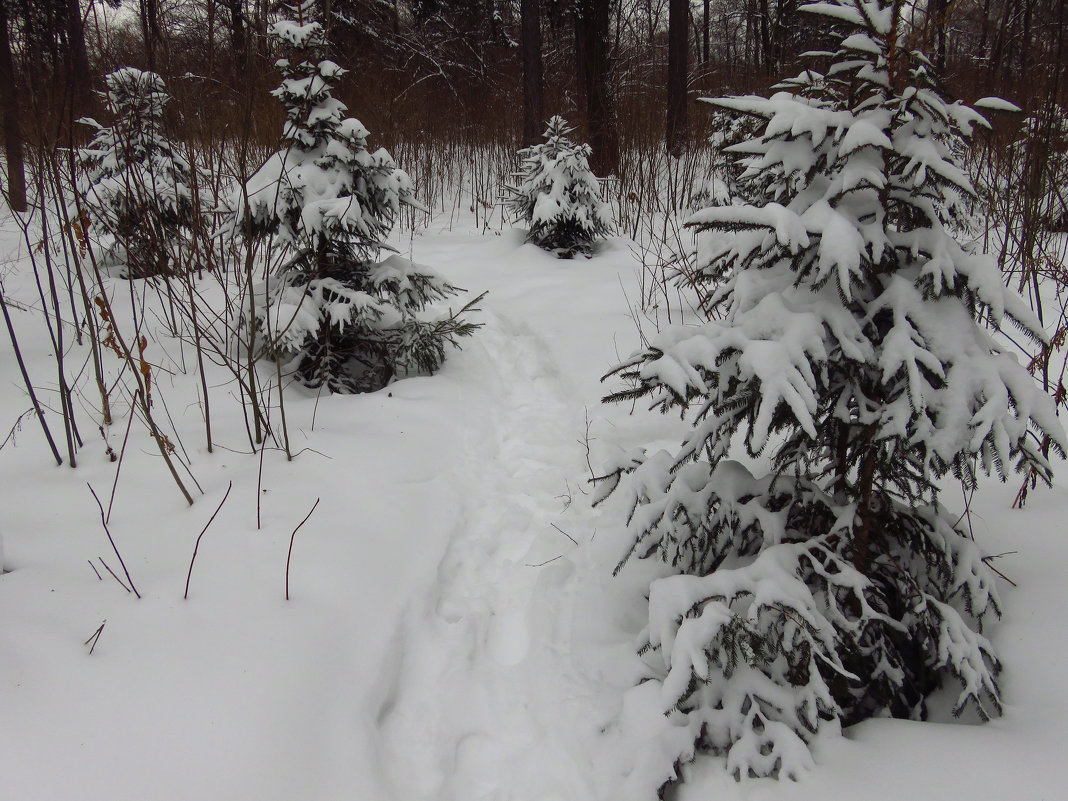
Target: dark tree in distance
(54,60)
(592,29)
(151,32)
(238,30)
(533,89)
(9,107)
(678,47)
(77,61)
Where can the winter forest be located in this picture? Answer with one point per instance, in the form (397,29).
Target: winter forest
(477,400)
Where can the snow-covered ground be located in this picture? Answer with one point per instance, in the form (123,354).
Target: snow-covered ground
(454,631)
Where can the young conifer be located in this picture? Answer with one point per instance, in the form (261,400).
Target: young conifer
(854,349)
(136,191)
(337,314)
(558,197)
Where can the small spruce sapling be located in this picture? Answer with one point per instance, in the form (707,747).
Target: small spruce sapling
(136,191)
(558,197)
(324,205)
(854,349)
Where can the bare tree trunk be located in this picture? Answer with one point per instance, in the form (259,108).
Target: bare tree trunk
(763,17)
(1025,46)
(985,29)
(704,32)
(9,107)
(678,11)
(592,42)
(785,33)
(326,18)
(150,32)
(81,91)
(997,45)
(939,21)
(581,76)
(533,97)
(238,39)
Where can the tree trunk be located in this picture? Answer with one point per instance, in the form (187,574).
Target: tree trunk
(238,39)
(999,39)
(984,30)
(592,41)
(786,33)
(704,32)
(763,15)
(1025,39)
(533,99)
(581,76)
(77,61)
(862,534)
(9,107)
(678,10)
(939,21)
(150,31)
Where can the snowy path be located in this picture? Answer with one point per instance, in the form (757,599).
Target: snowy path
(477,701)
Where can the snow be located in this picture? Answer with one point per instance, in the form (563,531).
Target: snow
(454,631)
(996,104)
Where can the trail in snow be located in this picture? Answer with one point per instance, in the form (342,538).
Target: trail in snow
(464,709)
(490,698)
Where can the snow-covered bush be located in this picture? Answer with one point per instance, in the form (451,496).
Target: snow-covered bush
(324,205)
(136,189)
(558,197)
(854,351)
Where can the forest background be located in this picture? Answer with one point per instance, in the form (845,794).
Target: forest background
(455,86)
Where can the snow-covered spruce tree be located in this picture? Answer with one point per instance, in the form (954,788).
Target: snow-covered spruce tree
(333,311)
(136,189)
(558,197)
(854,350)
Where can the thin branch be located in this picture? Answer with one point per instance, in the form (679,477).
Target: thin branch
(107,567)
(95,637)
(27,383)
(196,547)
(292,536)
(104,522)
(547,561)
(564,533)
(118,467)
(987,559)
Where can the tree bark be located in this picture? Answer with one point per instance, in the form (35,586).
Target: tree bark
(533,97)
(705,31)
(150,31)
(678,44)
(763,17)
(786,34)
(77,61)
(9,107)
(592,41)
(939,21)
(862,534)
(238,38)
